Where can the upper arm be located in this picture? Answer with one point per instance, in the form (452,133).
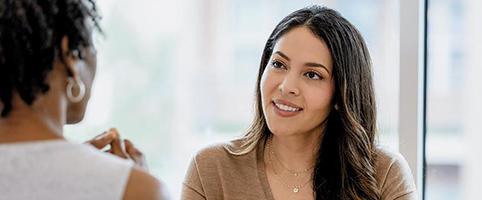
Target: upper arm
(142,185)
(399,183)
(409,196)
(192,187)
(189,193)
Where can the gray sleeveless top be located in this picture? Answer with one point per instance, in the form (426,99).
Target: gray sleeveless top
(58,169)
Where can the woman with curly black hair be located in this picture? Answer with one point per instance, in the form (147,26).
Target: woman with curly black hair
(47,66)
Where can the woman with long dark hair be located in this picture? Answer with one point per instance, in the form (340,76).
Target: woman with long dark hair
(313,134)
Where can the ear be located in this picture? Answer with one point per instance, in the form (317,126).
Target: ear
(69,58)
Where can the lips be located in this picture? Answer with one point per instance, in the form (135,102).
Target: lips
(286,105)
(285,108)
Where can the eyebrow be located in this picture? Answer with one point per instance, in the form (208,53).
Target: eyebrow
(309,64)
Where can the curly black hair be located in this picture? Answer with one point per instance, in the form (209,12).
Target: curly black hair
(30,37)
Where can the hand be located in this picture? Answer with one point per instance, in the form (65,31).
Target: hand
(119,147)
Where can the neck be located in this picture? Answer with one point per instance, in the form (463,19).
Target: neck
(41,121)
(299,151)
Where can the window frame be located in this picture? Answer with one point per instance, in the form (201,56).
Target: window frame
(413,84)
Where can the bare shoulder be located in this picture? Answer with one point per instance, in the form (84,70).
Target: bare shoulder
(142,185)
(393,174)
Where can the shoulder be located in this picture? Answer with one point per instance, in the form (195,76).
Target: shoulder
(388,158)
(85,171)
(142,185)
(216,165)
(221,153)
(213,151)
(139,184)
(222,158)
(393,175)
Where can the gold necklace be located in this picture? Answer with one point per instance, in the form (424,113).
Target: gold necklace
(291,171)
(294,188)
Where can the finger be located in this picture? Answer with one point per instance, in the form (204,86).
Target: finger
(128,144)
(102,140)
(132,150)
(117,146)
(135,154)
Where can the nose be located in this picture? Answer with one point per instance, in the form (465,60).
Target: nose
(289,86)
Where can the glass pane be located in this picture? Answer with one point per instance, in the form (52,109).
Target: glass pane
(175,76)
(454,95)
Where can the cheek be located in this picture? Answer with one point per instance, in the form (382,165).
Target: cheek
(90,63)
(90,69)
(266,85)
(320,100)
(87,74)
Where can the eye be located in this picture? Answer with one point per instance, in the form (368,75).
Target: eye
(277,64)
(313,75)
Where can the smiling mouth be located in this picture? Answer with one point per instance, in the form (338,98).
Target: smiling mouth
(286,108)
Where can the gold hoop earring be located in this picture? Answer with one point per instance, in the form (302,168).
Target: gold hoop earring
(71,82)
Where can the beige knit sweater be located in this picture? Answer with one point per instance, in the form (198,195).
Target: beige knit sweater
(214,174)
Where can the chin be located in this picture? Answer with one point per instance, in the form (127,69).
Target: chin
(75,114)
(281,134)
(281,131)
(75,119)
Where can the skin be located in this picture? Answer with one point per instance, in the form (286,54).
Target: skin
(299,74)
(44,120)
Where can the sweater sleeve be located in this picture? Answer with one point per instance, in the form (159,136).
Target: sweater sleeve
(192,188)
(409,196)
(398,183)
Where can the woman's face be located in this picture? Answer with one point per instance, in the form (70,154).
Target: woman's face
(86,71)
(297,85)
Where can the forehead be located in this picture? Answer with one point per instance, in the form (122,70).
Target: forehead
(301,45)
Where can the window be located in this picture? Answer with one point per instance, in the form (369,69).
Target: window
(175,76)
(454,94)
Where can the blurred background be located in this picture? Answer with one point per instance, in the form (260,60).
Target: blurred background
(176,76)
(454,100)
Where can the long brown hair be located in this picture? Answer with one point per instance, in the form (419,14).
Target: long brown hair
(345,165)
